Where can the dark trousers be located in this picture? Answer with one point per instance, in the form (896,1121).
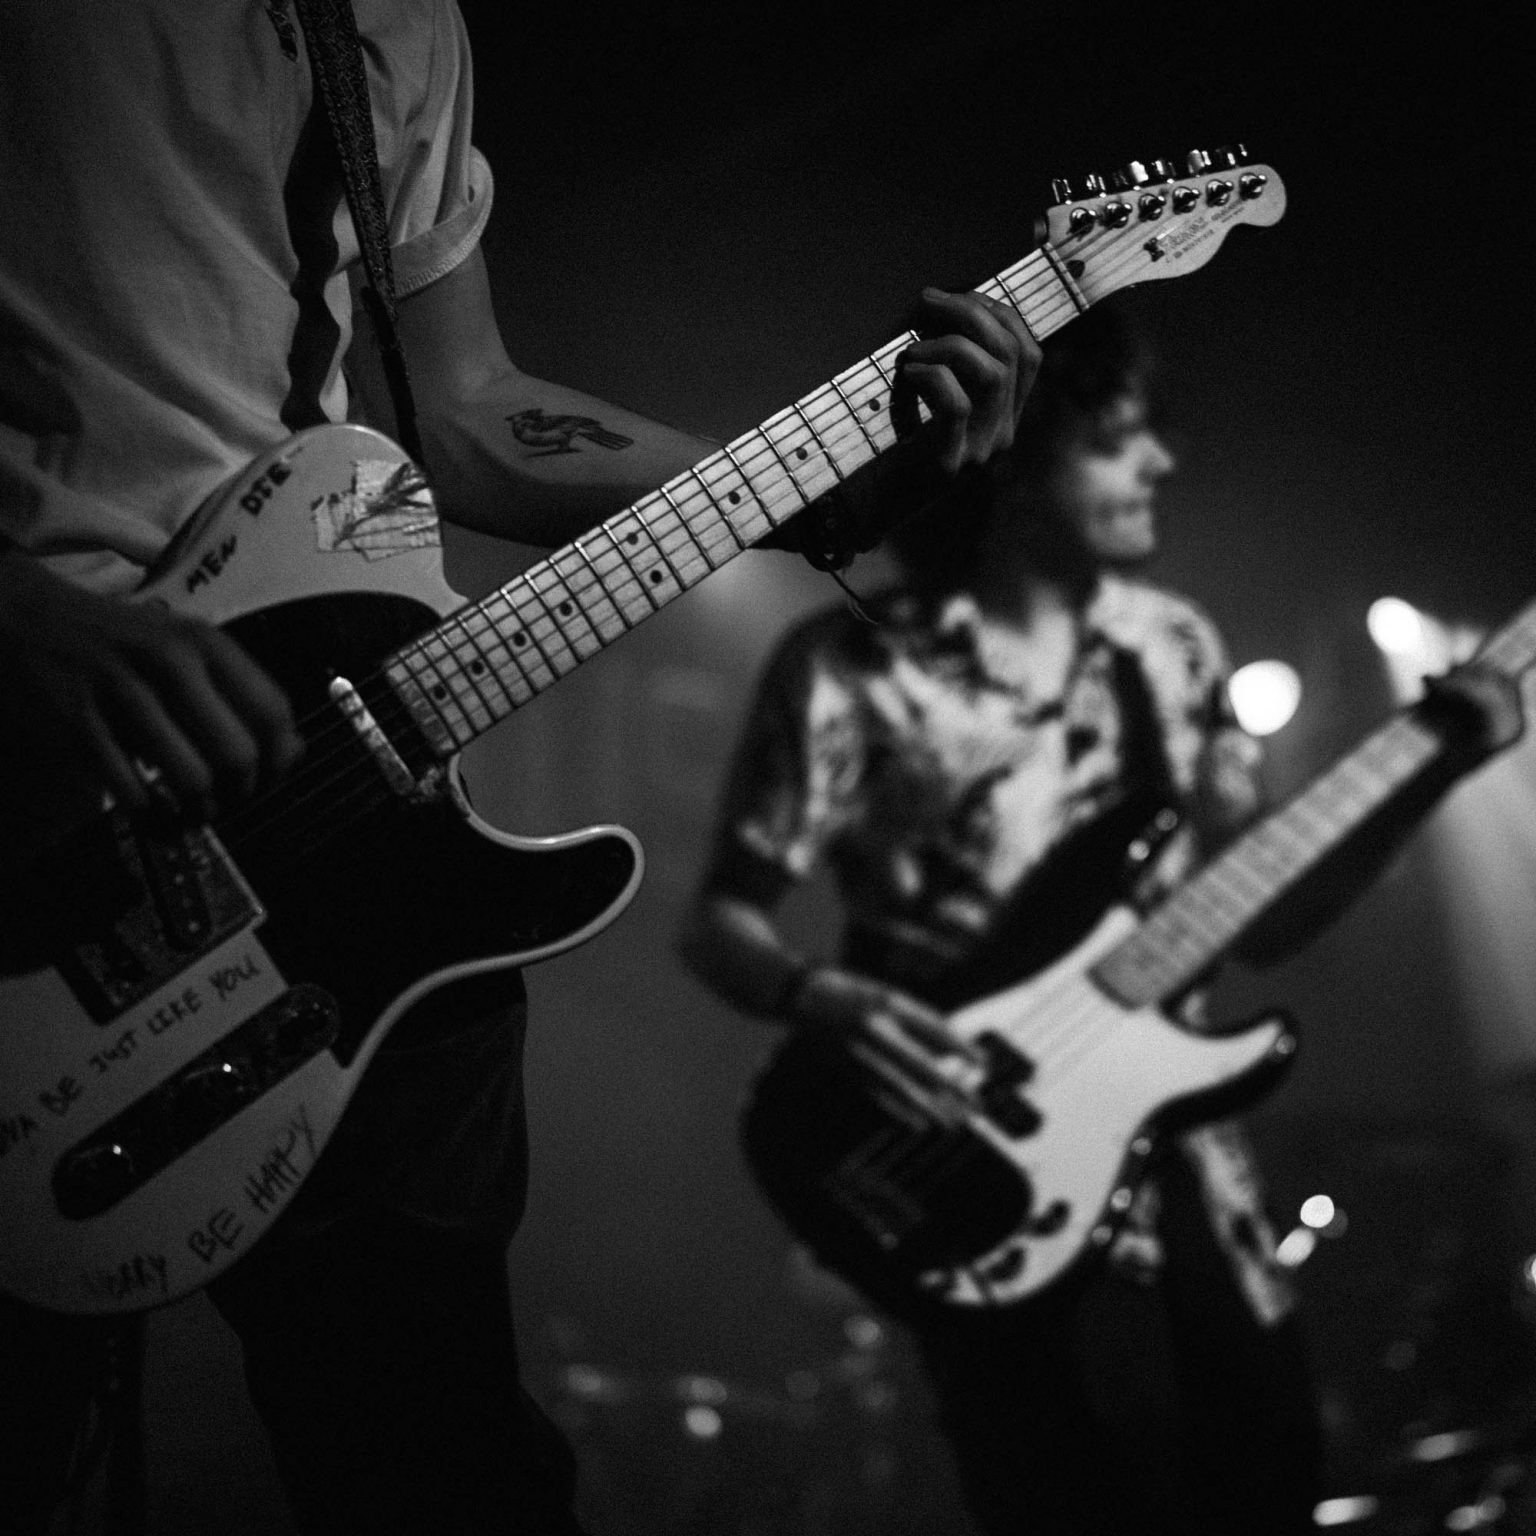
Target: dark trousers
(374,1319)
(1119,1406)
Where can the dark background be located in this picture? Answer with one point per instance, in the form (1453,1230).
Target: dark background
(703,218)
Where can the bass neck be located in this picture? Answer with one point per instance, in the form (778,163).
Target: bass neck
(1199,922)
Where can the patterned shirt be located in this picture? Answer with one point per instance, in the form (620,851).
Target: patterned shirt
(914,759)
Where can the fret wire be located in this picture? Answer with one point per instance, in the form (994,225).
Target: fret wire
(857,419)
(554,618)
(773,447)
(574,589)
(484,662)
(1018,308)
(576,544)
(666,559)
(530,631)
(877,406)
(815,439)
(837,416)
(747,481)
(733,496)
(693,538)
(527,664)
(430,693)
(484,610)
(1201,904)
(1362,785)
(1240,886)
(624,560)
(723,516)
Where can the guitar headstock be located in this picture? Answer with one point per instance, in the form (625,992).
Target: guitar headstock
(1148,220)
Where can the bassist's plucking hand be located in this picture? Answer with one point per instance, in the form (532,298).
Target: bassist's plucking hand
(828,998)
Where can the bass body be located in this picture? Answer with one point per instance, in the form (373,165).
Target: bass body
(983,1190)
(950,1183)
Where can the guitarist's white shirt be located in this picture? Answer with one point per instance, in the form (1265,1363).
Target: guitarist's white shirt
(154,325)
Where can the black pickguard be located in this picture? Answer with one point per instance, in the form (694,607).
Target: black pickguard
(365,892)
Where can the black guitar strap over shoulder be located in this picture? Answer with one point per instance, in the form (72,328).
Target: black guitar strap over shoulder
(336,56)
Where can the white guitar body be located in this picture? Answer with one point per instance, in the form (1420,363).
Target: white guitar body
(182,1032)
(1105,1078)
(985,1188)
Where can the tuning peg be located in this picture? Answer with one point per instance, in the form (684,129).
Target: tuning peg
(1061,190)
(1131,175)
(1160,170)
(1228,157)
(1092,186)
(1196,162)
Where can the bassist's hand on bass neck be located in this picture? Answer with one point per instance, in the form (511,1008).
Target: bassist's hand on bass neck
(1476,709)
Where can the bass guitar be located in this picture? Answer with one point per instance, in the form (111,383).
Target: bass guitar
(186,1012)
(976,1182)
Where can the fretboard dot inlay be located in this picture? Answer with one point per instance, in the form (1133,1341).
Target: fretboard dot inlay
(655,578)
(565,610)
(519,638)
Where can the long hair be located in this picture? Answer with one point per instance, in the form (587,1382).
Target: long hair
(1085,367)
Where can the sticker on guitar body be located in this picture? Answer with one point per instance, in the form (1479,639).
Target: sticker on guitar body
(221,996)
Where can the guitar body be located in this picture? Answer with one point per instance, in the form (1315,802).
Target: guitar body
(984,1194)
(185,1013)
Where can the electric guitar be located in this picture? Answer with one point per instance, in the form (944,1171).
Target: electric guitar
(185,1013)
(984,1184)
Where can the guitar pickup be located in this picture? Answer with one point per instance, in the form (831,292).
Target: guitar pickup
(150,1134)
(136,901)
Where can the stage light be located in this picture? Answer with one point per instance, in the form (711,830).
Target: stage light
(1317,1211)
(1296,1247)
(1264,696)
(702,1423)
(1398,628)
(1348,1511)
(1528,1274)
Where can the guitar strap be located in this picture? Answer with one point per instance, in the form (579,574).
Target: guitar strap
(336,56)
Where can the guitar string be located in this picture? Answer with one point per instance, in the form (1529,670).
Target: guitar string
(1046,278)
